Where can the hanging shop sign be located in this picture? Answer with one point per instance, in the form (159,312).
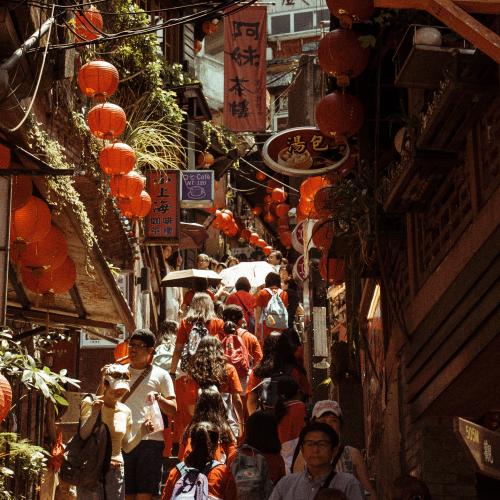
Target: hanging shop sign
(162,222)
(303,151)
(482,444)
(245,69)
(298,237)
(197,188)
(299,269)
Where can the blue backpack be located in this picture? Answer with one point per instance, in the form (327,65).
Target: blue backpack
(275,314)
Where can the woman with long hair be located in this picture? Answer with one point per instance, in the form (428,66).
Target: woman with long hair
(204,439)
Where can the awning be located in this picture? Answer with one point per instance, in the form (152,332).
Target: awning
(192,235)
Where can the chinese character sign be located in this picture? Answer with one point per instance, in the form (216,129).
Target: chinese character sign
(162,223)
(245,70)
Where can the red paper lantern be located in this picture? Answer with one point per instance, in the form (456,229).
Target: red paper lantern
(260,176)
(198,45)
(267,249)
(31,222)
(117,158)
(306,209)
(310,187)
(98,80)
(339,115)
(228,212)
(141,205)
(5,397)
(350,11)
(226,220)
(322,233)
(50,251)
(126,186)
(205,159)
(332,270)
(254,238)
(282,210)
(209,27)
(271,185)
(233,231)
(125,206)
(120,353)
(257,211)
(52,280)
(106,121)
(286,238)
(22,188)
(278,195)
(340,54)
(261,243)
(86,23)
(245,234)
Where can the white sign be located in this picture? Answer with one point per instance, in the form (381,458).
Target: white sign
(87,340)
(320,336)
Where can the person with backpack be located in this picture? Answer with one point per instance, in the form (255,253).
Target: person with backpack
(117,417)
(317,443)
(243,298)
(270,308)
(210,407)
(258,465)
(290,414)
(201,476)
(278,362)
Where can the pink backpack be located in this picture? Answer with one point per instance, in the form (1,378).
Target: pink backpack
(236,353)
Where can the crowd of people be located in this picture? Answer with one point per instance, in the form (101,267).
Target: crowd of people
(234,407)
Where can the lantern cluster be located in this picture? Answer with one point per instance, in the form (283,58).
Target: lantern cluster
(224,220)
(98,80)
(37,246)
(5,397)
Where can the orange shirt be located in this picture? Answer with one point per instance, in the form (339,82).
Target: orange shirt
(292,423)
(243,299)
(220,483)
(214,326)
(252,344)
(261,300)
(296,374)
(188,297)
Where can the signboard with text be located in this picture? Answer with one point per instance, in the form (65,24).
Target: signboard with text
(245,69)
(197,188)
(162,222)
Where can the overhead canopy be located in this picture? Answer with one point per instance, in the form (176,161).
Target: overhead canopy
(192,235)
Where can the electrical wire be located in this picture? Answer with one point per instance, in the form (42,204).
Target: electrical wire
(267,175)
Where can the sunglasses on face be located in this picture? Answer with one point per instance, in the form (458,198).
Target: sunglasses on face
(137,346)
(120,375)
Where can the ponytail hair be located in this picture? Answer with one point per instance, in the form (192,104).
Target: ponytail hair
(230,328)
(287,389)
(204,439)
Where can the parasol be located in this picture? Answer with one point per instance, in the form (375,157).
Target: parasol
(256,273)
(188,277)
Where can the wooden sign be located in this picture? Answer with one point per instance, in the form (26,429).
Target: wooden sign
(162,222)
(483,445)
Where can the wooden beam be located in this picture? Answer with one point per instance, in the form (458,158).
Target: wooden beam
(77,300)
(480,6)
(18,288)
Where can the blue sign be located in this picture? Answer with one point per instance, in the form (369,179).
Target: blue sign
(197,188)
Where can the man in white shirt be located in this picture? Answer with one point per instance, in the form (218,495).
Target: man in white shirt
(143,465)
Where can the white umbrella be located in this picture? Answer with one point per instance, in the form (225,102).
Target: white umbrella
(256,273)
(188,277)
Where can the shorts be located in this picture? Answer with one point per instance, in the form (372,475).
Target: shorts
(143,467)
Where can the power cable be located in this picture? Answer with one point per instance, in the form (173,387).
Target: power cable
(267,175)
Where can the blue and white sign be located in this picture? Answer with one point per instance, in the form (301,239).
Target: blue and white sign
(197,188)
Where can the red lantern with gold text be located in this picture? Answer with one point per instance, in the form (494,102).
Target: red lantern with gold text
(267,249)
(254,238)
(117,158)
(98,80)
(332,270)
(339,115)
(106,121)
(31,222)
(58,280)
(5,397)
(322,233)
(205,159)
(310,187)
(22,188)
(278,195)
(88,24)
(286,238)
(351,11)
(140,206)
(341,55)
(245,234)
(282,210)
(126,186)
(50,251)
(260,176)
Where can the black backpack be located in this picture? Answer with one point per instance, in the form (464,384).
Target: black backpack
(86,461)
(198,331)
(267,391)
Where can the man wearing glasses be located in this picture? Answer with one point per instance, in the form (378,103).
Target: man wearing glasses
(203,261)
(317,442)
(143,465)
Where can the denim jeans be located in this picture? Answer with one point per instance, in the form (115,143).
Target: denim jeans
(114,484)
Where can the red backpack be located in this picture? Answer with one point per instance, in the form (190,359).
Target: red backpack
(236,353)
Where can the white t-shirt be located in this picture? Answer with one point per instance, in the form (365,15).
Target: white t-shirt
(158,380)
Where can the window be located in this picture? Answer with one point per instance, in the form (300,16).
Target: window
(280,24)
(303,21)
(322,15)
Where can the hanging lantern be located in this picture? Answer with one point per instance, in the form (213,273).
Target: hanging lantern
(254,238)
(50,251)
(22,188)
(341,55)
(245,234)
(271,185)
(278,195)
(98,80)
(269,218)
(205,159)
(198,45)
(226,221)
(257,211)
(125,206)
(31,222)
(228,212)
(332,270)
(261,243)
(282,210)
(351,11)
(126,186)
(120,353)
(325,201)
(267,249)
(322,233)
(210,27)
(260,176)
(286,238)
(141,205)
(339,115)
(117,158)
(233,231)
(5,397)
(306,209)
(106,121)
(58,280)
(310,187)
(86,23)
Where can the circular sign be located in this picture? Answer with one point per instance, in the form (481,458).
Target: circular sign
(299,270)
(304,151)
(298,237)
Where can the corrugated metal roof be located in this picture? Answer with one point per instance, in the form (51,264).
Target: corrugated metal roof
(280,79)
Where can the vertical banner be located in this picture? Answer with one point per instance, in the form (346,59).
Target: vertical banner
(245,37)
(162,222)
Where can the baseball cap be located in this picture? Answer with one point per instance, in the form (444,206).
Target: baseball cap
(117,376)
(326,406)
